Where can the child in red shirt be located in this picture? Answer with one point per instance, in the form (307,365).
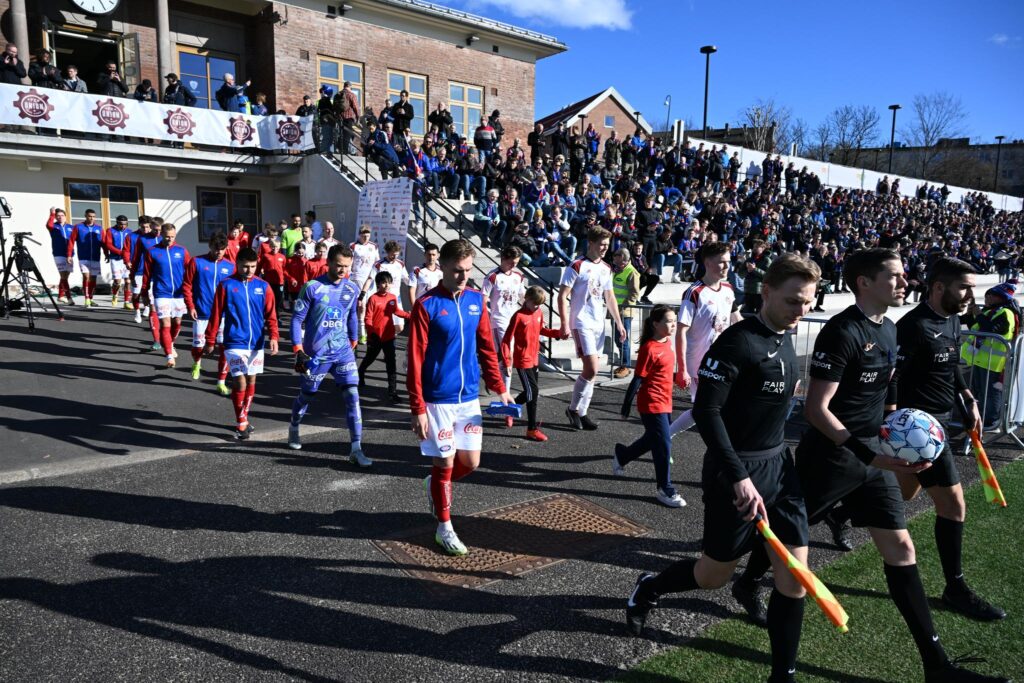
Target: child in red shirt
(271,268)
(526,328)
(294,277)
(380,332)
(317,266)
(652,387)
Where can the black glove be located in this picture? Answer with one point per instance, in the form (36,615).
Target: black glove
(301,358)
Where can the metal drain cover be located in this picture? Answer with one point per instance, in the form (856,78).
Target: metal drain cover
(512,540)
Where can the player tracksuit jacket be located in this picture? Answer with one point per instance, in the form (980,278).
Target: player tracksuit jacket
(202,276)
(60,237)
(165,269)
(88,239)
(247,307)
(135,250)
(114,240)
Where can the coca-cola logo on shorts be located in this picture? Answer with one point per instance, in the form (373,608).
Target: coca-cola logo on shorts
(180,123)
(240,129)
(33,105)
(110,114)
(289,132)
(473,429)
(445,434)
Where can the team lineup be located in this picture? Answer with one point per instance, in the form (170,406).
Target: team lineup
(741,374)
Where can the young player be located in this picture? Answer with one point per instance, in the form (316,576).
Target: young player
(652,389)
(165,269)
(272,269)
(238,239)
(928,377)
(381,309)
(364,254)
(246,305)
(324,328)
(747,380)
(202,276)
(589,282)
(61,243)
(145,237)
(708,307)
(87,240)
(503,289)
(317,266)
(399,275)
(114,241)
(449,344)
(525,329)
(424,278)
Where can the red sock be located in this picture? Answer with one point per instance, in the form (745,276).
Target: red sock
(197,353)
(92,287)
(154,324)
(250,393)
(441,492)
(237,400)
(222,365)
(135,301)
(460,470)
(61,288)
(175,327)
(165,340)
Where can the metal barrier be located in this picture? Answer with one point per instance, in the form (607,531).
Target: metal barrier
(611,342)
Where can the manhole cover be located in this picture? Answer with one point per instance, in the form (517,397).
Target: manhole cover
(512,540)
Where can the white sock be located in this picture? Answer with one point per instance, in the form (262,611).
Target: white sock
(577,392)
(586,395)
(445,526)
(681,423)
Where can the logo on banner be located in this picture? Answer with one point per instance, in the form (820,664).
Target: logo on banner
(110,114)
(289,132)
(179,123)
(240,129)
(33,105)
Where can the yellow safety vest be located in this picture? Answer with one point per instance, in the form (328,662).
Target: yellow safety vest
(987,353)
(620,283)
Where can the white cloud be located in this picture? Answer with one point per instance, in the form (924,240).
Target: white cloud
(607,14)
(1004,40)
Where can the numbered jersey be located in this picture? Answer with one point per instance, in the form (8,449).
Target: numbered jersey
(503,293)
(424,279)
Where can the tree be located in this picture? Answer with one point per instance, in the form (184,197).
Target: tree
(768,125)
(821,142)
(851,130)
(799,135)
(934,117)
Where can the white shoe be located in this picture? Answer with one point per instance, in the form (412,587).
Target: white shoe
(294,442)
(145,311)
(357,458)
(138,315)
(450,543)
(673,501)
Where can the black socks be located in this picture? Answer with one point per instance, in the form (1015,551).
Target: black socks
(758,565)
(949,541)
(907,592)
(785,618)
(677,578)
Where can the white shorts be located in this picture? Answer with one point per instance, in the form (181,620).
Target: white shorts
(244,362)
(63,265)
(452,427)
(118,269)
(170,308)
(90,267)
(588,342)
(137,286)
(199,333)
(499,334)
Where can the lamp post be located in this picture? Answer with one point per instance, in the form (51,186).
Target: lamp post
(636,119)
(707,51)
(892,135)
(668,115)
(999,149)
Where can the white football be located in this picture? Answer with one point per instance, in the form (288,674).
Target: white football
(912,435)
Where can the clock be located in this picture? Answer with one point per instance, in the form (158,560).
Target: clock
(96,6)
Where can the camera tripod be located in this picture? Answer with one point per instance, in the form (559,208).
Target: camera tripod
(20,268)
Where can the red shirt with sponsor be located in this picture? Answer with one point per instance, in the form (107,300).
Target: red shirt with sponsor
(379,309)
(525,329)
(655,364)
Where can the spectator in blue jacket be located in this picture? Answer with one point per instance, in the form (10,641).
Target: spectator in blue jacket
(175,92)
(228,94)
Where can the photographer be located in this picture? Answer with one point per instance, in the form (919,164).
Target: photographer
(12,71)
(176,93)
(110,82)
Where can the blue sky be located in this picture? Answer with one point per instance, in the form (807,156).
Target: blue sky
(809,56)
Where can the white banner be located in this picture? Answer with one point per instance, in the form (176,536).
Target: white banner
(386,205)
(46,108)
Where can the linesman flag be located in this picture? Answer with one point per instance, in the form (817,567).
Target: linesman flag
(993,493)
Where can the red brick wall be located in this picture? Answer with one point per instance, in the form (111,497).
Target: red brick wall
(625,124)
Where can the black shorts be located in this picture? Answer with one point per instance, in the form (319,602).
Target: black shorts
(943,471)
(727,536)
(830,474)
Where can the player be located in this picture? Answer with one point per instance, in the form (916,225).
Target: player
(364,254)
(589,281)
(202,275)
(396,268)
(503,289)
(928,377)
(450,346)
(747,380)
(164,268)
(246,305)
(381,309)
(61,242)
(425,277)
(324,328)
(708,307)
(138,242)
(87,240)
(114,241)
(272,268)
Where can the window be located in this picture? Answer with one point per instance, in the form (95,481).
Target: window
(417,87)
(334,72)
(108,200)
(203,71)
(466,103)
(218,209)
(609,122)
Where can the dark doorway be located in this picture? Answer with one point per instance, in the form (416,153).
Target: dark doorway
(89,53)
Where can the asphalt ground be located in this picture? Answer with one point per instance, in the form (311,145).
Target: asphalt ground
(251,561)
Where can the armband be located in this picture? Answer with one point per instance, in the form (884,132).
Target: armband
(859,449)
(362,295)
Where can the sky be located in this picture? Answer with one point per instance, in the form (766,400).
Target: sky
(809,56)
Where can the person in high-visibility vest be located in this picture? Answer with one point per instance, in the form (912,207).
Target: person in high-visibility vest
(986,356)
(626,287)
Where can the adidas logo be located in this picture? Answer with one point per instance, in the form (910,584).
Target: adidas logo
(444,311)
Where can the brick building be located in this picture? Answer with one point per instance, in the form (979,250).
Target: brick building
(607,110)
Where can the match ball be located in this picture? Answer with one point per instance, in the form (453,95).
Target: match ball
(912,435)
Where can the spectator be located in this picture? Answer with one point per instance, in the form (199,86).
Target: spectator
(648,278)
(110,83)
(485,140)
(402,113)
(535,141)
(259,107)
(43,74)
(176,93)
(626,285)
(229,94)
(328,119)
(560,141)
(494,121)
(487,218)
(73,83)
(756,268)
(12,71)
(144,92)
(442,118)
(346,105)
(306,108)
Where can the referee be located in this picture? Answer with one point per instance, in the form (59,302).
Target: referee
(746,383)
(928,377)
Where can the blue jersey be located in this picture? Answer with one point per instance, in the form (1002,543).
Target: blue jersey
(247,307)
(88,241)
(138,246)
(202,276)
(114,240)
(60,233)
(165,270)
(325,321)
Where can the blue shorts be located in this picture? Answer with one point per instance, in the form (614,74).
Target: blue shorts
(345,372)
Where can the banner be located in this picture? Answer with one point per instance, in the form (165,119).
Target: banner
(386,205)
(100,115)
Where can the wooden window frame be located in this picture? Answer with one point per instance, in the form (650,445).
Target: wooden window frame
(228,192)
(105,219)
(337,84)
(203,52)
(425,97)
(467,105)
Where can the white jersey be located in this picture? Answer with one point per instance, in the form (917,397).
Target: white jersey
(588,282)
(424,279)
(706,313)
(363,258)
(398,274)
(504,293)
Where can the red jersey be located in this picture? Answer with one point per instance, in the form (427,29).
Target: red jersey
(525,328)
(271,267)
(295,270)
(379,309)
(655,364)
(314,268)
(231,251)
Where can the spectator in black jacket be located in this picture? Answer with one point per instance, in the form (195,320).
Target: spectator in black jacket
(535,140)
(307,108)
(495,120)
(144,92)
(110,83)
(176,93)
(402,113)
(560,141)
(11,68)
(43,74)
(442,118)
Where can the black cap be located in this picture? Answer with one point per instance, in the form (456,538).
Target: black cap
(172,75)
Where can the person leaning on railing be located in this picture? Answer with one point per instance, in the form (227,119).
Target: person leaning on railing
(986,356)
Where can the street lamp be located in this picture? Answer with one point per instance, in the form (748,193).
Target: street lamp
(892,135)
(668,114)
(999,149)
(707,51)
(636,119)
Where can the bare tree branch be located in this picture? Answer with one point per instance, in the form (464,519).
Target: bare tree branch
(934,117)
(768,125)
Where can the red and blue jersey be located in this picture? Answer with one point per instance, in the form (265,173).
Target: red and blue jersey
(450,342)
(61,235)
(114,240)
(88,239)
(165,270)
(136,247)
(202,275)
(247,307)
(325,321)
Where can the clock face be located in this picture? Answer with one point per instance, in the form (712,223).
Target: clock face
(97,6)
